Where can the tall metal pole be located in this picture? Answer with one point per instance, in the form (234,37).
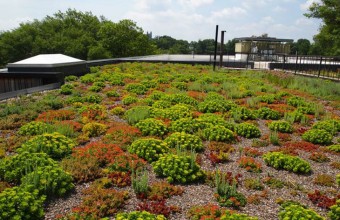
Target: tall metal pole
(215,54)
(222,45)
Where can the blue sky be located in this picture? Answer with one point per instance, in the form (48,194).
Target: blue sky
(182,19)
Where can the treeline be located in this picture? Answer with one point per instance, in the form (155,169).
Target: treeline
(77,34)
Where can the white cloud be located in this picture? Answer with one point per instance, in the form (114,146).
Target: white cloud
(229,13)
(195,3)
(305,6)
(252,4)
(279,9)
(267,20)
(303,21)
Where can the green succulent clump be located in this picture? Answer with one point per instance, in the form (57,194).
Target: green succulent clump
(334,147)
(243,113)
(137,88)
(13,168)
(280,160)
(296,101)
(332,126)
(149,149)
(211,106)
(318,136)
(183,125)
(55,145)
(281,126)
(173,113)
(139,215)
(208,119)
(248,130)
(18,203)
(294,210)
(334,212)
(151,126)
(176,168)
(33,128)
(49,181)
(184,141)
(218,133)
(129,99)
(267,113)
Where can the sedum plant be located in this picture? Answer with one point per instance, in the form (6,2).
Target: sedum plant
(184,141)
(334,148)
(18,203)
(151,126)
(281,126)
(13,168)
(139,215)
(34,128)
(279,160)
(248,130)
(94,129)
(149,149)
(183,125)
(317,136)
(49,180)
(332,126)
(55,145)
(334,212)
(176,168)
(267,113)
(218,133)
(294,210)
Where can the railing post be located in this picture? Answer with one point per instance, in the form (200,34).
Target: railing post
(296,62)
(320,66)
(215,54)
(247,61)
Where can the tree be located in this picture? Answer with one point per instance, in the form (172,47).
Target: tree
(328,40)
(302,46)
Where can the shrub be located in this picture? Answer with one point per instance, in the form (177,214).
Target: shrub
(93,98)
(82,169)
(13,168)
(149,149)
(211,106)
(183,125)
(121,134)
(180,98)
(120,179)
(218,133)
(279,160)
(181,169)
(317,136)
(162,104)
(250,164)
(49,181)
(70,78)
(56,115)
(216,175)
(163,190)
(156,207)
(117,110)
(248,130)
(334,212)
(139,215)
(95,88)
(112,93)
(17,203)
(152,126)
(267,113)
(88,78)
(137,88)
(33,128)
(128,100)
(184,141)
(337,179)
(296,101)
(140,184)
(138,113)
(242,113)
(281,126)
(292,210)
(55,145)
(126,162)
(335,148)
(94,129)
(66,89)
(332,126)
(209,119)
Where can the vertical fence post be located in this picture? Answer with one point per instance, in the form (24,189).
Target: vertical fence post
(320,66)
(247,60)
(296,62)
(284,62)
(216,36)
(222,45)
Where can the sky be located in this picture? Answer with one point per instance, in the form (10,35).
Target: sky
(190,20)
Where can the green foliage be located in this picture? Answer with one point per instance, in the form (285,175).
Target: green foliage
(248,130)
(138,113)
(184,141)
(253,183)
(293,210)
(33,128)
(317,136)
(149,149)
(180,98)
(214,105)
(88,78)
(152,126)
(183,125)
(66,89)
(334,212)
(113,93)
(337,179)
(140,183)
(208,119)
(178,168)
(173,113)
(93,98)
(218,133)
(281,126)
(332,126)
(128,100)
(139,215)
(335,148)
(18,203)
(13,168)
(94,129)
(137,88)
(296,101)
(49,180)
(55,145)
(279,160)
(267,113)
(70,78)
(242,113)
